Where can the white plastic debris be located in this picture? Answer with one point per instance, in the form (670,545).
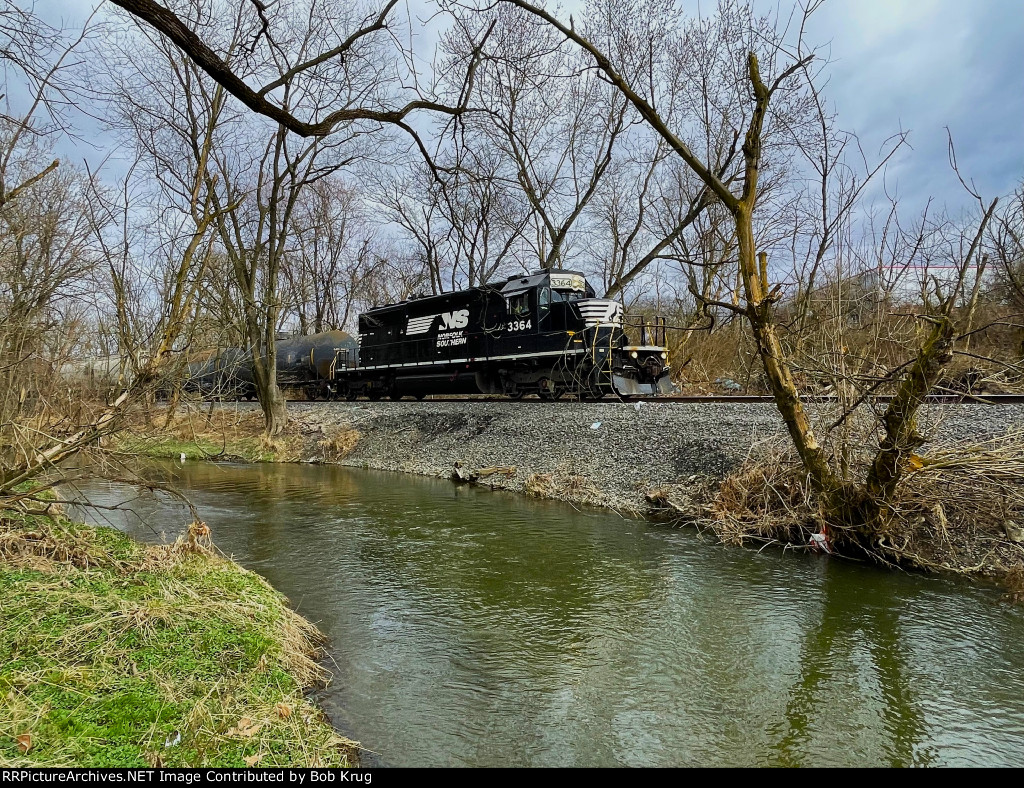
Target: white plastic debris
(183,456)
(820,542)
(596,425)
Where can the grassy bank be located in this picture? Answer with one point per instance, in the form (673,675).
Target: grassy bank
(114,653)
(201,434)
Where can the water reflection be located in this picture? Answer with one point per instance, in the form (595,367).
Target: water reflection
(471,627)
(831,651)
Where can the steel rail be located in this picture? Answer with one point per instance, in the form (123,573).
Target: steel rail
(695,399)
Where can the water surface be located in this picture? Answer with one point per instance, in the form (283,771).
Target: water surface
(470,627)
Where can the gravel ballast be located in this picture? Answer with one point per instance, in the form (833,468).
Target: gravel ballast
(607,454)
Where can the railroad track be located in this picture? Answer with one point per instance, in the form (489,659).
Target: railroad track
(735,399)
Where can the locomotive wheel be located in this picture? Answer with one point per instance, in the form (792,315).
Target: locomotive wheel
(421,396)
(547,390)
(351,396)
(394,397)
(374,396)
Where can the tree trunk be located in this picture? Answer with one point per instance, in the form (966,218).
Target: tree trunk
(901,437)
(172,404)
(275,412)
(972,304)
(272,400)
(753,272)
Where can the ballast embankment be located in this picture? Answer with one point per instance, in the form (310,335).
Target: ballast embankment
(607,454)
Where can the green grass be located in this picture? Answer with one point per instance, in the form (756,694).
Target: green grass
(113,653)
(200,448)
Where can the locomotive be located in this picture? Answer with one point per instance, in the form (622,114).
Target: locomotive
(544,333)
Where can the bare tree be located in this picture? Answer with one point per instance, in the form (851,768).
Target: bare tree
(462,222)
(555,122)
(335,252)
(645,218)
(45,249)
(1005,244)
(330,56)
(38,58)
(776,79)
(255,236)
(171,113)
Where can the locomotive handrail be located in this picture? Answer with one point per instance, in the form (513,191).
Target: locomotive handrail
(653,331)
(341,354)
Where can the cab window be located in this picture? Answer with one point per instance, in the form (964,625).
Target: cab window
(519,305)
(543,305)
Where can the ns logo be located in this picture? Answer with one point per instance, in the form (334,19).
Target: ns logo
(449,322)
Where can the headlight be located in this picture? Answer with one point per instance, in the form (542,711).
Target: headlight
(664,356)
(632,354)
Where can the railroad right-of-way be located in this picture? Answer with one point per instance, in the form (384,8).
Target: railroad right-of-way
(608,453)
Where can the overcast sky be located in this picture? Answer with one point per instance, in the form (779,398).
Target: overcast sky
(923,65)
(918,65)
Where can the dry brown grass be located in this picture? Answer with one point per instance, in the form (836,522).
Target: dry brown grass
(540,485)
(223,423)
(682,503)
(42,548)
(562,486)
(1015,586)
(339,444)
(766,499)
(950,513)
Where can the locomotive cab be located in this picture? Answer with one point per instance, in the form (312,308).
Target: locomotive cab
(613,353)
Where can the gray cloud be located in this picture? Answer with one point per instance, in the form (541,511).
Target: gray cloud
(924,65)
(920,65)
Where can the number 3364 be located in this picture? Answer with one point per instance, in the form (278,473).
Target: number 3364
(518,325)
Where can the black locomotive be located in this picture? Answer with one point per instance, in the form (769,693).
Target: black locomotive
(545,334)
